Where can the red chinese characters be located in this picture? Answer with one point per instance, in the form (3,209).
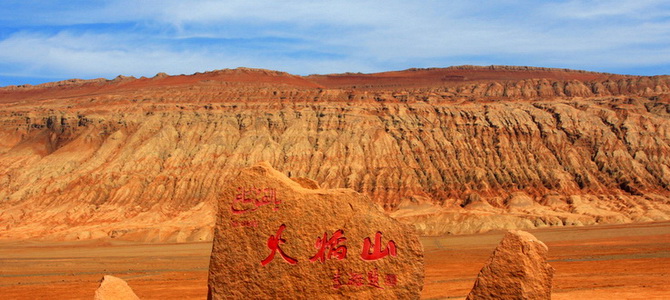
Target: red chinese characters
(249,200)
(337,280)
(377,252)
(273,243)
(373,278)
(391,279)
(358,279)
(330,247)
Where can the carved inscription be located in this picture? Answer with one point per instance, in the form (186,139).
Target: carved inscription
(377,252)
(371,279)
(273,243)
(331,247)
(251,199)
(328,246)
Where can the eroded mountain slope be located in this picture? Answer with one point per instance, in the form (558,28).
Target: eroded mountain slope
(145,159)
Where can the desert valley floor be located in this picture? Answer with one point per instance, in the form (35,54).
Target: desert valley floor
(592,262)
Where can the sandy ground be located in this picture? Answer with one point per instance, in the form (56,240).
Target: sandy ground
(597,262)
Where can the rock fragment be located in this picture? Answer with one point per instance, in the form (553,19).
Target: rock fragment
(114,288)
(517,269)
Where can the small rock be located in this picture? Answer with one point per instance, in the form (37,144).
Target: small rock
(114,288)
(517,269)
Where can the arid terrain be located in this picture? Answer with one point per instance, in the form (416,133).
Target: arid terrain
(455,150)
(123,176)
(592,262)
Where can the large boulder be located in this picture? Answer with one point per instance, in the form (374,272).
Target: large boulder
(114,288)
(517,269)
(276,238)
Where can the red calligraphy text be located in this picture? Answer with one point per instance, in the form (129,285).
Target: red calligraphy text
(337,280)
(273,243)
(376,252)
(249,200)
(356,279)
(330,247)
(391,279)
(373,278)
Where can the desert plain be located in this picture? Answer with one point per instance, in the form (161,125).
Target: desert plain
(592,262)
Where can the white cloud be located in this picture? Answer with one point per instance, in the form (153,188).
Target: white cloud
(103,55)
(333,36)
(583,9)
(92,55)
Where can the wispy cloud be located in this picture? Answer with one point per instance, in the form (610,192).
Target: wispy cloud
(580,9)
(64,39)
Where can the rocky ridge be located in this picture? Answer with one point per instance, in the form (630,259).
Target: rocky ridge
(456,150)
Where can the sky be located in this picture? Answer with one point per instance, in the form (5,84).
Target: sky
(43,41)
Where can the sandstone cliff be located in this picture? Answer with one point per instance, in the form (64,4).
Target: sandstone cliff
(456,150)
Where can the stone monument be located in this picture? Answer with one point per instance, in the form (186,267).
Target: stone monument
(279,238)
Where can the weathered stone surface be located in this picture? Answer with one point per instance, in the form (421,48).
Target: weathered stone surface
(517,269)
(306,183)
(146,159)
(262,208)
(114,288)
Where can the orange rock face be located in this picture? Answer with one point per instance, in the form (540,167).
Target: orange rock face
(278,239)
(517,269)
(114,288)
(456,150)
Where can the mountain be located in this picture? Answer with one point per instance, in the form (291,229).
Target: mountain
(451,150)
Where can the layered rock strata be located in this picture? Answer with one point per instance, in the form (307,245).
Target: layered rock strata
(146,159)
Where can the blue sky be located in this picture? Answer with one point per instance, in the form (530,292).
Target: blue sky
(42,41)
